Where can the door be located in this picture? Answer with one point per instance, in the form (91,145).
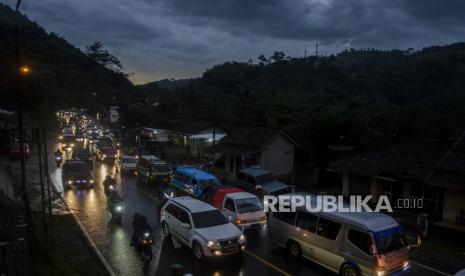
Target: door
(178,216)
(357,247)
(327,245)
(184,232)
(307,225)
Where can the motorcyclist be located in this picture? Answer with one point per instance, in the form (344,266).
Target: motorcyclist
(114,198)
(58,152)
(107,182)
(139,225)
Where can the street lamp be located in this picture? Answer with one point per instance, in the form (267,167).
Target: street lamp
(24,70)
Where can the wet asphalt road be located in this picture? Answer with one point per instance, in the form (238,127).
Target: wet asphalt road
(262,256)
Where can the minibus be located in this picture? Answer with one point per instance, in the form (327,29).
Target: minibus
(347,243)
(192,181)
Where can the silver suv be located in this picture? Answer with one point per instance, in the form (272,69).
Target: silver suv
(201,227)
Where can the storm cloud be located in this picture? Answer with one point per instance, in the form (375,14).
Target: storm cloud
(158,39)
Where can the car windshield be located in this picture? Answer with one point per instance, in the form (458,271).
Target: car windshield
(208,219)
(68,138)
(160,168)
(265,178)
(282,191)
(208,182)
(109,151)
(390,240)
(81,154)
(248,205)
(128,160)
(78,169)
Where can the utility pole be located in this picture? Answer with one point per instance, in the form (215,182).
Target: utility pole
(41,179)
(305,52)
(214,132)
(27,206)
(316,49)
(47,174)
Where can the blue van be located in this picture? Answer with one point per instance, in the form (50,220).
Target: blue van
(191,180)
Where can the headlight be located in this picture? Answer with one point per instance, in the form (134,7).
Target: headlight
(406,264)
(104,156)
(119,208)
(70,181)
(146,234)
(116,155)
(60,137)
(63,145)
(72,145)
(91,181)
(380,271)
(242,238)
(212,243)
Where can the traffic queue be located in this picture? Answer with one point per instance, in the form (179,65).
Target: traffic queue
(200,212)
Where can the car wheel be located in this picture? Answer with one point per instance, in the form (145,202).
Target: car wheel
(198,251)
(294,249)
(349,270)
(166,230)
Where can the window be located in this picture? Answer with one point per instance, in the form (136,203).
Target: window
(328,229)
(251,180)
(240,176)
(229,204)
(183,216)
(361,240)
(208,219)
(307,221)
(171,209)
(287,217)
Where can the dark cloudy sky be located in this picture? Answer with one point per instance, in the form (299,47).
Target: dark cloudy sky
(158,39)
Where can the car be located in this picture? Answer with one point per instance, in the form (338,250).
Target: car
(68,142)
(82,154)
(201,227)
(241,208)
(15,150)
(261,182)
(347,243)
(127,164)
(152,169)
(107,154)
(105,140)
(78,173)
(192,181)
(79,136)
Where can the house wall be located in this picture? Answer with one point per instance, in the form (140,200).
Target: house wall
(278,156)
(454,201)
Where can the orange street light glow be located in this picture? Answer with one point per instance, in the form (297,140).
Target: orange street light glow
(25,69)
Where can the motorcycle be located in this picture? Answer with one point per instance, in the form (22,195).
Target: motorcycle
(109,189)
(144,243)
(58,160)
(116,211)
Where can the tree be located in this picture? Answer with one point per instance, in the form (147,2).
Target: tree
(99,54)
(278,56)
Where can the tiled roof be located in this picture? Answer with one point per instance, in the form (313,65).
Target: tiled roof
(249,136)
(415,160)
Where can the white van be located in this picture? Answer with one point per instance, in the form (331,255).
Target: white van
(244,209)
(352,243)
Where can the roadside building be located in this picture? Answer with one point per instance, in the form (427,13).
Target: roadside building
(430,169)
(197,137)
(113,114)
(270,149)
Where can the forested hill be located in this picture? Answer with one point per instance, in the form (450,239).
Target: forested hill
(61,74)
(360,97)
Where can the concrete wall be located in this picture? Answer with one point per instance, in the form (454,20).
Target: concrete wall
(453,202)
(278,156)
